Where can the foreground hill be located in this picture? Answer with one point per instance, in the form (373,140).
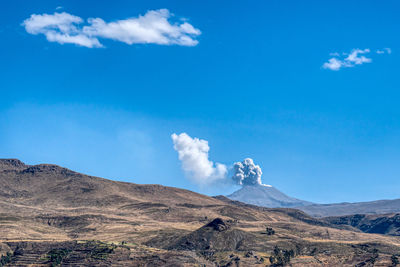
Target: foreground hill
(50,215)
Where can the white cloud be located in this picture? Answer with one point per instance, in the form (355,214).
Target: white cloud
(355,57)
(62,22)
(333,64)
(193,153)
(349,60)
(61,28)
(152,28)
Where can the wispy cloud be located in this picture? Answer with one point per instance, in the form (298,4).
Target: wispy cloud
(154,27)
(352,59)
(384,51)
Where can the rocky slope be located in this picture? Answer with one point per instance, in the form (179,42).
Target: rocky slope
(387,224)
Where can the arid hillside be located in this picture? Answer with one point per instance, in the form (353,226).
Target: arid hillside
(50,215)
(388,224)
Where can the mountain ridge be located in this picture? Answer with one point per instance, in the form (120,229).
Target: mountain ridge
(46,207)
(384,206)
(269,196)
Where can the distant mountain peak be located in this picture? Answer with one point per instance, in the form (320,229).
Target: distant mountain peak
(266,196)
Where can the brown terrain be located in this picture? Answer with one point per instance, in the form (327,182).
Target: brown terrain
(52,216)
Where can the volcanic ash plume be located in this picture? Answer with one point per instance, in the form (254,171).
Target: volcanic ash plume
(247,173)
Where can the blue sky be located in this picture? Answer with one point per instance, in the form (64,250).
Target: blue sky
(252,84)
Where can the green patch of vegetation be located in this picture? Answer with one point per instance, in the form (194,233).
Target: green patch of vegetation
(56,256)
(269,231)
(374,256)
(100,250)
(395,260)
(281,257)
(5,259)
(6,218)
